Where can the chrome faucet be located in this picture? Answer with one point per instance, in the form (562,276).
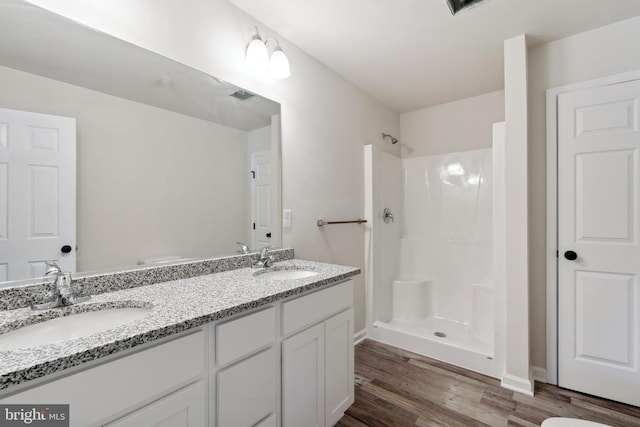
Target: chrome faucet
(265,259)
(244,249)
(63,294)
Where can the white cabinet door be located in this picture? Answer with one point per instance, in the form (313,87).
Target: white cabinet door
(184,408)
(303,378)
(247,391)
(338,343)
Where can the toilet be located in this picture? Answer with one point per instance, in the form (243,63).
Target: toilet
(570,422)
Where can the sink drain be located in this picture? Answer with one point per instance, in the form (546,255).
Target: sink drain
(440,334)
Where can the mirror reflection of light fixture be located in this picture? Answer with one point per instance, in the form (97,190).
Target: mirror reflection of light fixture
(455,169)
(474,180)
(258,57)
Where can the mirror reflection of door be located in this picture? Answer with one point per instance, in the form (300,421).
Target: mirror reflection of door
(37,193)
(261,200)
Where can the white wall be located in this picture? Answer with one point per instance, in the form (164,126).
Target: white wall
(259,139)
(150,182)
(325,120)
(605,51)
(461,125)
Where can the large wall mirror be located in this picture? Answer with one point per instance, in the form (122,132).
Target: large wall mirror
(112,156)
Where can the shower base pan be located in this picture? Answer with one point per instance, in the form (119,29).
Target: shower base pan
(447,341)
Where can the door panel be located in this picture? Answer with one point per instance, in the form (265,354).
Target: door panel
(598,218)
(611,341)
(42,214)
(607,117)
(604,194)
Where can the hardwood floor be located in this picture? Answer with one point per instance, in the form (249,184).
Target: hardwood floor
(395,387)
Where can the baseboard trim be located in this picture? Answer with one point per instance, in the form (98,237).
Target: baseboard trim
(359,337)
(539,374)
(519,384)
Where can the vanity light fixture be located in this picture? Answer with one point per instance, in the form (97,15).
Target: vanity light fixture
(258,57)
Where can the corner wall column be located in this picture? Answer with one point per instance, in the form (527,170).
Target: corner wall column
(518,372)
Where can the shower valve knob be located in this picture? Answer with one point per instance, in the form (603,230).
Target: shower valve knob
(571,255)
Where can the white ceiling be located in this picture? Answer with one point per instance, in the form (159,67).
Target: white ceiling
(411,54)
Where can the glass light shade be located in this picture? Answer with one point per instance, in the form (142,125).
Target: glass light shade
(257,54)
(279,64)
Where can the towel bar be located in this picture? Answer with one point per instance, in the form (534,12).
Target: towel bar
(355,221)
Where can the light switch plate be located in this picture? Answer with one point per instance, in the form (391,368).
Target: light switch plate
(286,218)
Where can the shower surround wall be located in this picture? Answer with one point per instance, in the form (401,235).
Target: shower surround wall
(431,271)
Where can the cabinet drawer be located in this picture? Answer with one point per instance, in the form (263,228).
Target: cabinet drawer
(122,384)
(184,408)
(309,309)
(240,337)
(247,392)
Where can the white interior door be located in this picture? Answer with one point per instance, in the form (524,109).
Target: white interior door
(37,193)
(262,200)
(599,225)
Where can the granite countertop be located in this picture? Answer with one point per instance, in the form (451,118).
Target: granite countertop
(174,306)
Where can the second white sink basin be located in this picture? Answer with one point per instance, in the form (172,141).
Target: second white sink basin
(287,274)
(69,327)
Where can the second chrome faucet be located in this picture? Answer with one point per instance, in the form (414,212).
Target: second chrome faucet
(265,259)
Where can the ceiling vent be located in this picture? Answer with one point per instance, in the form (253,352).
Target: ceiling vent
(242,95)
(458,5)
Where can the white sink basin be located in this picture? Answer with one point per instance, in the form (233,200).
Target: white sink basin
(69,327)
(287,274)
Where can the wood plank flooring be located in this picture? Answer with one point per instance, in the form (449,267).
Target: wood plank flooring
(395,387)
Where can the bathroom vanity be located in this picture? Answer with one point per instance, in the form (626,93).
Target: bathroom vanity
(222,349)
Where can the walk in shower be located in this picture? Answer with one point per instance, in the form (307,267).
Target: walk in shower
(430,282)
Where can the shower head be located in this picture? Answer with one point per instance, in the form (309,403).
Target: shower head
(393,139)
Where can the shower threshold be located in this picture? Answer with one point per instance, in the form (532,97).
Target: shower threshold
(457,348)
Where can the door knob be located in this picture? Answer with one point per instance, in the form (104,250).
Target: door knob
(65,249)
(571,255)
(387,216)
